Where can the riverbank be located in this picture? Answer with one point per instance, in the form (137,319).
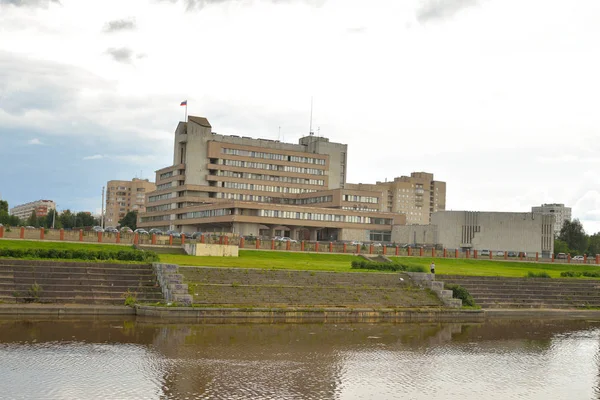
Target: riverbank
(290,315)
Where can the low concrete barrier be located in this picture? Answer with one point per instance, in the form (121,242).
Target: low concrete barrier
(171,283)
(304,314)
(218,250)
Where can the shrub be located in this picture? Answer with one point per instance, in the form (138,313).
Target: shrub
(531,274)
(459,292)
(130,298)
(386,266)
(80,254)
(416,268)
(592,274)
(570,274)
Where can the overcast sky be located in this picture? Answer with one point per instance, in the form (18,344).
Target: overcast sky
(499,98)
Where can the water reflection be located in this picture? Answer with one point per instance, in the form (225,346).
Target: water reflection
(129,358)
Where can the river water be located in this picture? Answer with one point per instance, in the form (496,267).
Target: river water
(145,359)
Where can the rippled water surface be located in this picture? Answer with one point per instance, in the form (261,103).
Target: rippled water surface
(120,359)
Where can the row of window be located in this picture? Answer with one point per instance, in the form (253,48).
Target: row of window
(205,214)
(380,236)
(275,178)
(355,219)
(272,167)
(269,199)
(273,156)
(159,208)
(360,199)
(166,175)
(155,218)
(164,186)
(359,209)
(266,188)
(152,199)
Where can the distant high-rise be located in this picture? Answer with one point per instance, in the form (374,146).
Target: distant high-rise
(417,196)
(560,212)
(125,196)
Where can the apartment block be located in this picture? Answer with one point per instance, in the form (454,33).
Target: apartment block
(41,208)
(559,211)
(261,187)
(125,196)
(417,196)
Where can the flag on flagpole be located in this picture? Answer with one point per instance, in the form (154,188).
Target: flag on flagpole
(183,103)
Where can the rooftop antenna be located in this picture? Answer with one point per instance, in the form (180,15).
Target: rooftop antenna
(310,131)
(319,131)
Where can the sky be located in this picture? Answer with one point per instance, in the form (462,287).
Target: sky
(498,98)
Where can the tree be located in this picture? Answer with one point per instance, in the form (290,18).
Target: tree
(33,219)
(130,220)
(86,219)
(561,247)
(574,235)
(52,217)
(593,244)
(67,219)
(4,206)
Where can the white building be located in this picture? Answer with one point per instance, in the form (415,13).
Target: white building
(41,208)
(559,211)
(473,230)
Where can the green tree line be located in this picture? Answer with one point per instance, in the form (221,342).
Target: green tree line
(573,239)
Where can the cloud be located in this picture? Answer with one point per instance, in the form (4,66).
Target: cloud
(358,29)
(192,5)
(122,54)
(120,25)
(34,141)
(94,157)
(432,10)
(29,3)
(28,84)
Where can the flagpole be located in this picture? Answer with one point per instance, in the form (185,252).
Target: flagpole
(185,112)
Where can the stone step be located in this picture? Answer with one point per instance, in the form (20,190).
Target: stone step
(86,294)
(549,283)
(84,277)
(72,300)
(585,299)
(533,293)
(80,288)
(529,305)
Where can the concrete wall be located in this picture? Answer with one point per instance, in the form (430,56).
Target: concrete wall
(496,231)
(361,235)
(414,234)
(219,250)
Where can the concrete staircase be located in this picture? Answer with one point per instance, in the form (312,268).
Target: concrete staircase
(501,292)
(76,283)
(242,287)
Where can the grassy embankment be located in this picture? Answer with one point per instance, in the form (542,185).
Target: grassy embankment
(327,262)
(341,263)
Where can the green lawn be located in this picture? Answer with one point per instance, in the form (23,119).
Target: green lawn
(495,268)
(38,244)
(341,263)
(325,262)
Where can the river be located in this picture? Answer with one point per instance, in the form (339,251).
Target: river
(120,358)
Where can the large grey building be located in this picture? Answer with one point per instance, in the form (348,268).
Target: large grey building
(473,230)
(559,211)
(261,187)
